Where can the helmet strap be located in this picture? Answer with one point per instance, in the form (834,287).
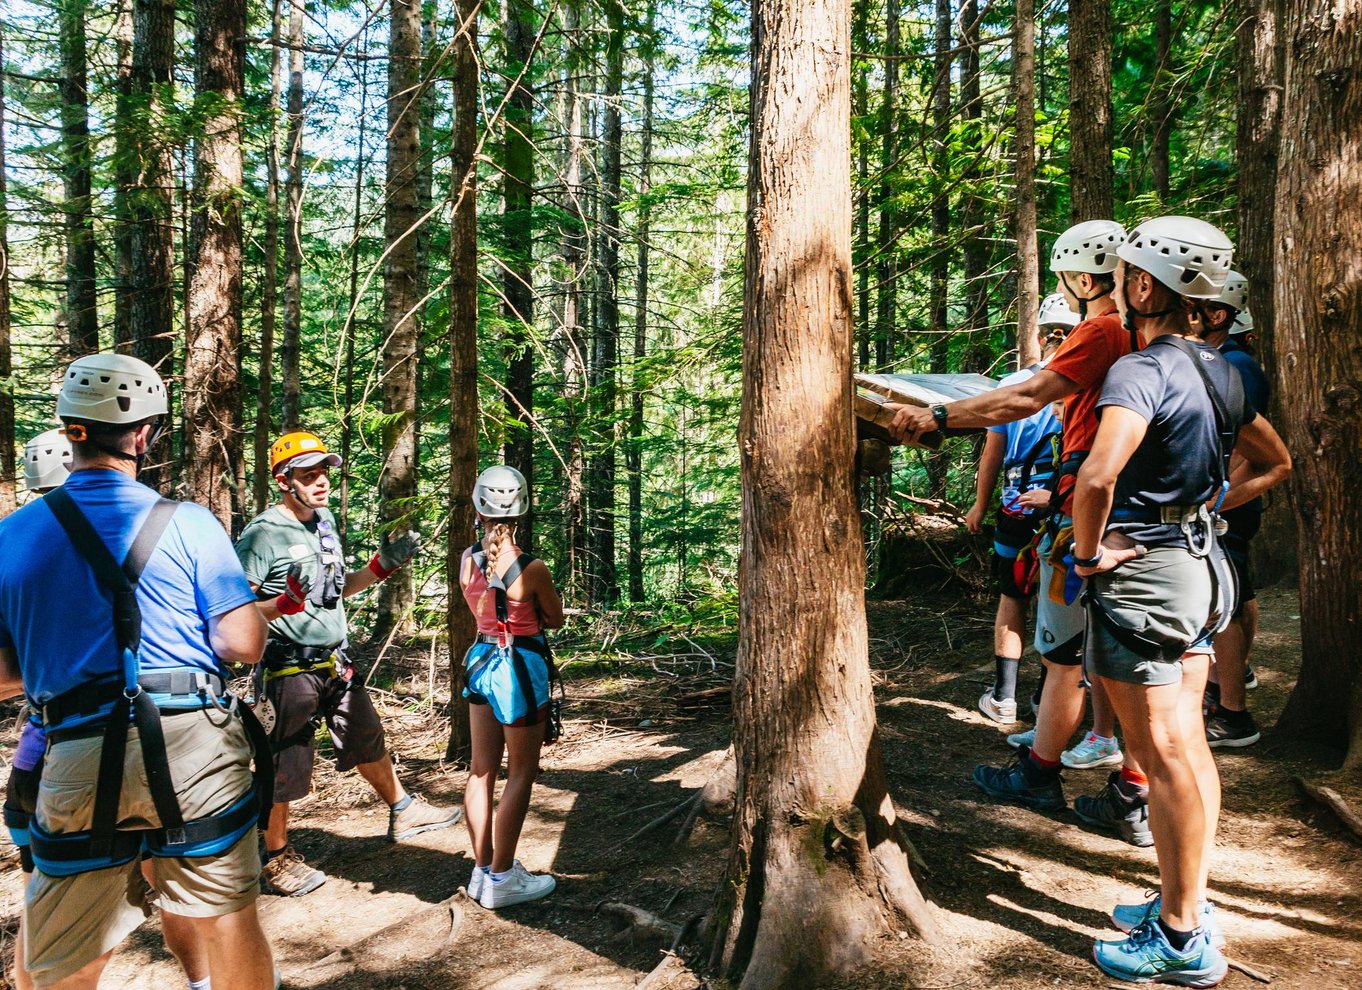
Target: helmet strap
(1082,300)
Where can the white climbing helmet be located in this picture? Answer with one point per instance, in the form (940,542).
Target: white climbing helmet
(1235,293)
(1089,247)
(1188,255)
(501,493)
(111,388)
(1055,312)
(47,461)
(1243,323)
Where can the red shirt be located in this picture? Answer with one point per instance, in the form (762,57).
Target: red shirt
(1084,358)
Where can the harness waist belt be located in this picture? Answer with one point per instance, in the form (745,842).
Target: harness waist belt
(492,639)
(89,698)
(1172,515)
(281,652)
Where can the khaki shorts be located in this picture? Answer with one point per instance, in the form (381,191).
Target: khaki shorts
(71,921)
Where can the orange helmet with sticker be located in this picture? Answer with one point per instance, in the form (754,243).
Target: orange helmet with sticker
(300,449)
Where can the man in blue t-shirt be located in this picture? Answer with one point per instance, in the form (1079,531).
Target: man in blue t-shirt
(1228,720)
(56,630)
(1023,453)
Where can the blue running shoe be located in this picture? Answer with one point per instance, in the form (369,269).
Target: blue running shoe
(1129,916)
(1019,781)
(1146,956)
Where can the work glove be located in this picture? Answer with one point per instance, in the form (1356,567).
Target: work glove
(296,587)
(392,554)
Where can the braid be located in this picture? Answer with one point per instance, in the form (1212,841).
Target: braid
(499,538)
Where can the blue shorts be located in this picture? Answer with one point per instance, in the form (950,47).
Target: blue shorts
(514,682)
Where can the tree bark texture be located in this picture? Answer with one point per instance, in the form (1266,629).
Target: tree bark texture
(1161,99)
(1028,251)
(1261,69)
(818,869)
(463,354)
(290,353)
(574,337)
(8,494)
(82,307)
(401,295)
(518,230)
(605,360)
(1318,308)
(972,207)
(212,369)
(352,300)
(125,179)
(644,227)
(1091,174)
(263,488)
(939,293)
(886,267)
(860,102)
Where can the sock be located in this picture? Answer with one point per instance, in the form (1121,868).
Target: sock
(271,853)
(1135,777)
(1214,691)
(1132,784)
(1108,740)
(401,805)
(498,877)
(1177,939)
(1230,714)
(203,984)
(1042,765)
(1040,684)
(1005,678)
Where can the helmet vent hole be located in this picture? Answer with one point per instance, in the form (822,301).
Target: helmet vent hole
(104,379)
(124,403)
(123,387)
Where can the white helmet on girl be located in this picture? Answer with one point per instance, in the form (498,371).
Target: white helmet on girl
(501,493)
(111,388)
(1055,312)
(1187,255)
(1089,247)
(1243,323)
(47,461)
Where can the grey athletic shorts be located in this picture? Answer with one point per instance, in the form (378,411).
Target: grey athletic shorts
(1059,627)
(1165,596)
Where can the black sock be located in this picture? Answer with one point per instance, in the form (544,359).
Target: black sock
(270,854)
(1235,716)
(1004,678)
(1177,939)
(1131,792)
(1040,684)
(1213,690)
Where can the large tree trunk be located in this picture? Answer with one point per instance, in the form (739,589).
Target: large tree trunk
(972,205)
(351,309)
(886,268)
(8,495)
(290,347)
(635,452)
(1261,68)
(401,295)
(1161,99)
(125,178)
(518,229)
(82,305)
(604,365)
(1028,257)
(212,369)
(574,340)
(1091,174)
(152,204)
(860,101)
(263,488)
(818,869)
(463,355)
(939,297)
(1318,305)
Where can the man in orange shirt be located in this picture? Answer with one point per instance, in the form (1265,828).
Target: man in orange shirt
(1083,259)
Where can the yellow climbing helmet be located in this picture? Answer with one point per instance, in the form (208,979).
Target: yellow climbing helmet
(300,450)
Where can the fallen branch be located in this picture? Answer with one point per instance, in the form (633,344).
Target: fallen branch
(1248,970)
(639,925)
(1332,800)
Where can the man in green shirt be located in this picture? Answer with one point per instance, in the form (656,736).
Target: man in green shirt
(292,556)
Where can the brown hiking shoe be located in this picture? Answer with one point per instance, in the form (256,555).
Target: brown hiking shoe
(420,816)
(288,876)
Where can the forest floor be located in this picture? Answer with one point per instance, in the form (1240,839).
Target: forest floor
(1020,895)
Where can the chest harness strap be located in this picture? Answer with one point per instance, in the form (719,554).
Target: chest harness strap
(103,845)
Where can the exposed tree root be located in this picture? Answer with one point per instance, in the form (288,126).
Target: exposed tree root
(415,937)
(1248,970)
(714,799)
(1334,801)
(672,973)
(639,925)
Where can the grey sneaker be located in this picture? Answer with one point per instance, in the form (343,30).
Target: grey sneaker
(288,876)
(420,816)
(1112,811)
(1000,711)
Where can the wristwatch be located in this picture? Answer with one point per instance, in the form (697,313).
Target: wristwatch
(1089,561)
(939,414)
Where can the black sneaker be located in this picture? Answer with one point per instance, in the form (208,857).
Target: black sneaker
(1112,811)
(1231,731)
(1020,782)
(1250,678)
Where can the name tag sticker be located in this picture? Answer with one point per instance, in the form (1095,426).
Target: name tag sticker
(299,551)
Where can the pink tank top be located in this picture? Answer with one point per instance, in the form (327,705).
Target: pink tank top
(482,601)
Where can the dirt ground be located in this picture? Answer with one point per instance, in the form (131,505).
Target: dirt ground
(1020,895)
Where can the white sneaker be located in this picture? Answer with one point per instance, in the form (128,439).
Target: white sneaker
(1020,739)
(476,882)
(1000,711)
(519,887)
(1092,752)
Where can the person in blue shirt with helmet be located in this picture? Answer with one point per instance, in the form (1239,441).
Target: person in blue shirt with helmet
(146,750)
